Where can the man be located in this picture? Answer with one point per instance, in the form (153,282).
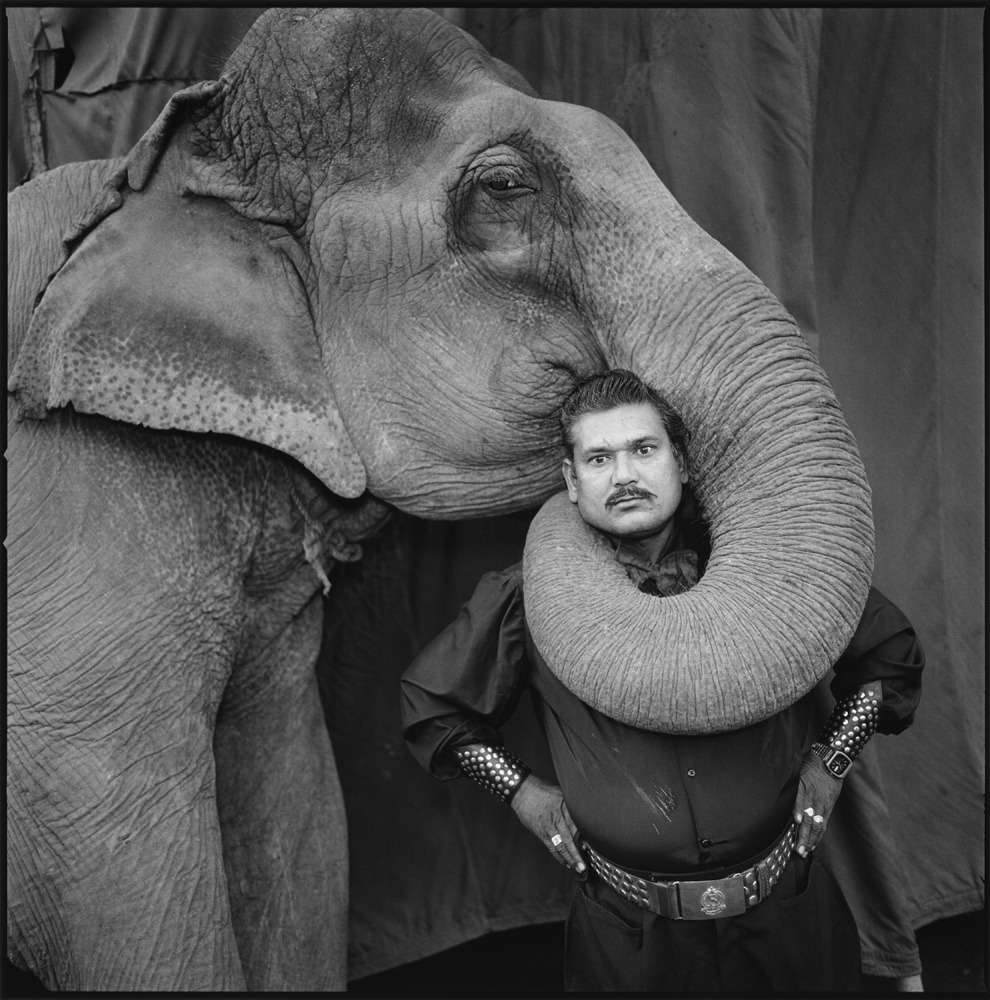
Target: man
(694,854)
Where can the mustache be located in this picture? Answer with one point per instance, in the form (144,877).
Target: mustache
(627,493)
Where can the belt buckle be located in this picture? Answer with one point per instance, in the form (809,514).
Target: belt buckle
(663,898)
(723,897)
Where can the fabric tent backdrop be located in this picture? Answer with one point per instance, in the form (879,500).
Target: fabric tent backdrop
(839,154)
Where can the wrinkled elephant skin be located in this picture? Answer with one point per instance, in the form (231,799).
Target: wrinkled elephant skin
(360,270)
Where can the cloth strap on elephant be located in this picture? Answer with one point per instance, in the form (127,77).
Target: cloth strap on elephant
(492,767)
(849,727)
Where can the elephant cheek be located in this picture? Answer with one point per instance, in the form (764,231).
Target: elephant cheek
(436,491)
(478,440)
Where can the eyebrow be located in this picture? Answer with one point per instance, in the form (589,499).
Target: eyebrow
(634,443)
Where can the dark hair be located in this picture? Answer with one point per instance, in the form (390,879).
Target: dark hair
(619,387)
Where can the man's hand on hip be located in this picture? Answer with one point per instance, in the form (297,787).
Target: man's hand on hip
(817,794)
(541,809)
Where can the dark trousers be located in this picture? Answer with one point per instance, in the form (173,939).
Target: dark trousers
(802,938)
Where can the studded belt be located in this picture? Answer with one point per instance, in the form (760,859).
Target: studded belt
(703,899)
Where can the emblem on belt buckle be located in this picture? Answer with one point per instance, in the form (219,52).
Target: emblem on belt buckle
(713,901)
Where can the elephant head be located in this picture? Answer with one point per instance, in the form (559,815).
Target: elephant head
(371,247)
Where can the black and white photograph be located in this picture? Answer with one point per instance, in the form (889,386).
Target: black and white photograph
(496,500)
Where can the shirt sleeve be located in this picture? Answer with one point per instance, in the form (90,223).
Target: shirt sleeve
(466,682)
(884,647)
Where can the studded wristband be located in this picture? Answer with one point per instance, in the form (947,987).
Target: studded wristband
(492,767)
(851,724)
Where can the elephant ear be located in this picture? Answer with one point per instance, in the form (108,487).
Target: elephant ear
(177,313)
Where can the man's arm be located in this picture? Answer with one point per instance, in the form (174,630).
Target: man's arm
(466,681)
(461,688)
(877,687)
(539,806)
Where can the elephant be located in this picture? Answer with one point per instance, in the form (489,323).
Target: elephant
(356,273)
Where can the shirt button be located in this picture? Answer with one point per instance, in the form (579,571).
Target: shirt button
(705,842)
(691,773)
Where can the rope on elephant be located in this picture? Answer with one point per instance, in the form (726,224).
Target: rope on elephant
(314,538)
(331,530)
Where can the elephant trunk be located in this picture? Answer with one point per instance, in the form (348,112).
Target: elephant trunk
(779,479)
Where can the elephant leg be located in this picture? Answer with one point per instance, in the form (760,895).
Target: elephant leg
(122,624)
(115,877)
(282,815)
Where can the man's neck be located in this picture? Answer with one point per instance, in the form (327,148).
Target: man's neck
(651,548)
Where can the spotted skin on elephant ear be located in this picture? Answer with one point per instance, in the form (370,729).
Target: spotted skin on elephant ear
(177,313)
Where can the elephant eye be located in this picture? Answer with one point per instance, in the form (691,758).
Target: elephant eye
(504,182)
(494,206)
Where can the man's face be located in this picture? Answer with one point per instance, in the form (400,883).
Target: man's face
(625,476)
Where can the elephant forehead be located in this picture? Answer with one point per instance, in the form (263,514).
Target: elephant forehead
(348,82)
(357,47)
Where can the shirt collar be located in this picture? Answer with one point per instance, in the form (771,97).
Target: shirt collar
(675,571)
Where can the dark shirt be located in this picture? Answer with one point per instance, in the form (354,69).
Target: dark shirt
(651,801)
